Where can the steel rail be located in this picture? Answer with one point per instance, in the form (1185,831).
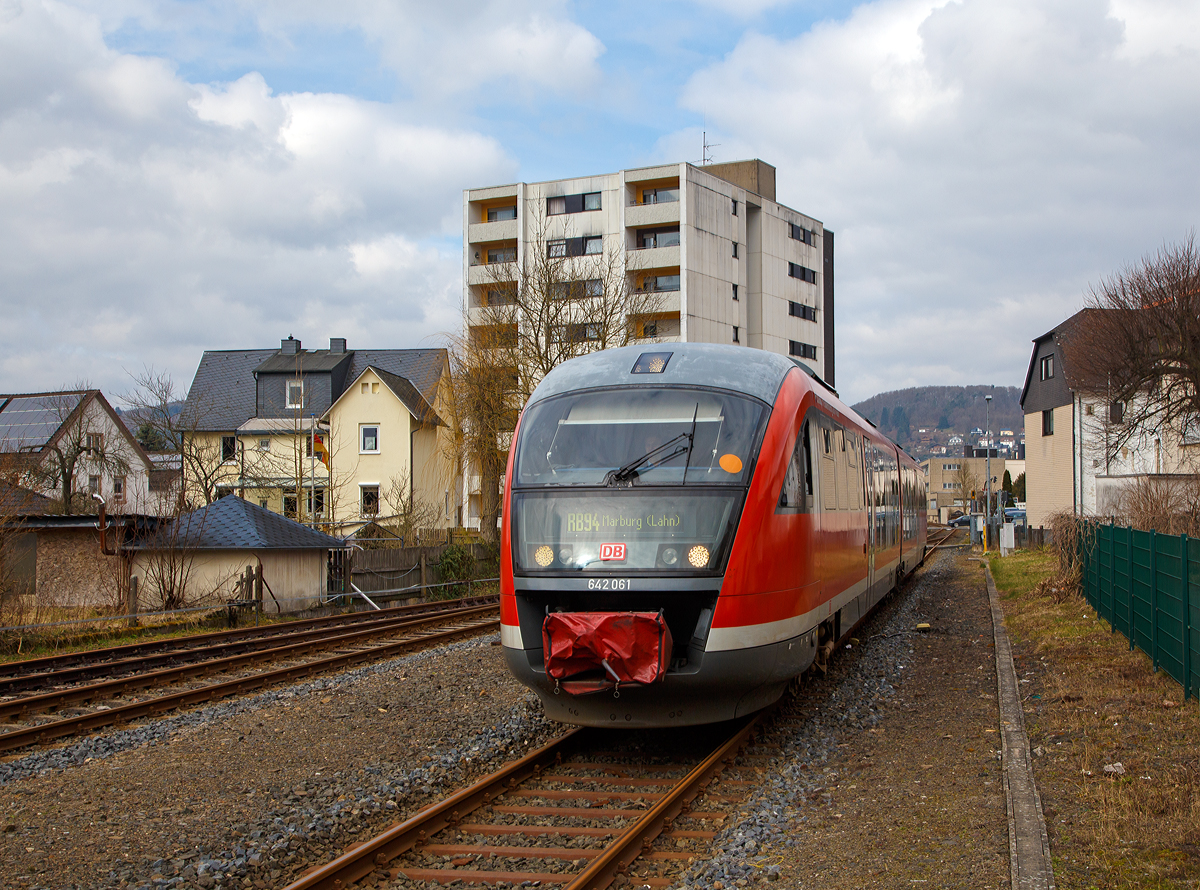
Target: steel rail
(20,738)
(604,864)
(52,662)
(200,654)
(402,837)
(32,704)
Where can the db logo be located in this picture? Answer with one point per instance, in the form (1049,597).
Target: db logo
(612,551)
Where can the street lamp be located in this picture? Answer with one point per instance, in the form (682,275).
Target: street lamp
(987,485)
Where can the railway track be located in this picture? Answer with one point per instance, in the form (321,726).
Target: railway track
(583,810)
(242,661)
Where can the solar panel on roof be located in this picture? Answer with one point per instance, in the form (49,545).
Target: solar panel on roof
(30,421)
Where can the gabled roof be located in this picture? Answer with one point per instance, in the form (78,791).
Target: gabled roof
(236,524)
(402,389)
(32,421)
(29,421)
(1061,334)
(18,501)
(223,394)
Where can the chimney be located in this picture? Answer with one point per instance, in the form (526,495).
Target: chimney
(337,345)
(290,346)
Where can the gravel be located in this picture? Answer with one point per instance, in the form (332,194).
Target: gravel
(252,791)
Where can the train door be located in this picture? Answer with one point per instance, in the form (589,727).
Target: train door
(871,485)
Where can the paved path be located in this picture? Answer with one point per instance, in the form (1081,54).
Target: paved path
(1028,843)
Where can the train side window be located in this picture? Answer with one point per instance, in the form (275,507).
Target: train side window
(827,474)
(796,494)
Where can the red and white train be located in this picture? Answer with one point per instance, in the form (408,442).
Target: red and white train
(687,528)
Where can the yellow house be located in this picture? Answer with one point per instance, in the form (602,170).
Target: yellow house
(390,454)
(290,430)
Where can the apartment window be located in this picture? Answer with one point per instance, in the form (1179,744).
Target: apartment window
(802,350)
(316,501)
(369,499)
(1048,422)
(572,203)
(735,334)
(262,502)
(735,250)
(93,484)
(735,292)
(498,214)
(1047,367)
(649,329)
(795,270)
(593,287)
(95,442)
(664,237)
(799,233)
(500,255)
(224,491)
(228,449)
(1089,410)
(575,333)
(660,196)
(660,283)
(593,245)
(799,310)
(295,393)
(499,297)
(289,506)
(368,439)
(556,248)
(735,206)
(118,494)
(1116,412)
(950,467)
(265,445)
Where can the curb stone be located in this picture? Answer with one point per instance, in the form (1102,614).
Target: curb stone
(1028,842)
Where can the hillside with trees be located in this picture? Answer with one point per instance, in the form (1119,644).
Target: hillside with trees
(942,411)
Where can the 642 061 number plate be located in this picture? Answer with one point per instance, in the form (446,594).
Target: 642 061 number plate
(610,584)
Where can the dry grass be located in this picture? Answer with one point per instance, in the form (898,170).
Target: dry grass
(1090,702)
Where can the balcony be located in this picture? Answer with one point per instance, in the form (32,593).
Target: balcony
(638,215)
(485,273)
(502,230)
(653,257)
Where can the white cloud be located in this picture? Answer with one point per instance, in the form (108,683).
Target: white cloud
(980,162)
(144,218)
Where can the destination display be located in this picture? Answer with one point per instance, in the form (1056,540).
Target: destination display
(619,529)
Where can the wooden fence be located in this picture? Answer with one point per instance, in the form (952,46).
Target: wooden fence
(398,570)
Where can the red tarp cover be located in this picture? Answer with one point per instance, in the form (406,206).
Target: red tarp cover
(629,647)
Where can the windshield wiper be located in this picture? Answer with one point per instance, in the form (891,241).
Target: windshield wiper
(631,468)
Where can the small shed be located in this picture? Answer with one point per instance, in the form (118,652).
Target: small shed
(199,558)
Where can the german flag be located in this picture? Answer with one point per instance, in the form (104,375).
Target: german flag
(320,450)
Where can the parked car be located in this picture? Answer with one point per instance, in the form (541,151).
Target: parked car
(1014,515)
(960,522)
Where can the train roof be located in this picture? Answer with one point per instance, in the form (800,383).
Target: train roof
(755,372)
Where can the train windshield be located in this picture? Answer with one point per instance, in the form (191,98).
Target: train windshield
(637,437)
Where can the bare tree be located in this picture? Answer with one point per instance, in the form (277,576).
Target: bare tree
(1138,346)
(566,297)
(968,483)
(81,442)
(408,514)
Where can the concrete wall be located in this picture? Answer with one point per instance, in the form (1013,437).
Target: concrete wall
(72,572)
(296,577)
(1049,471)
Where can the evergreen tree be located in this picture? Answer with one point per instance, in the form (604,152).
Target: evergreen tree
(944,422)
(1018,488)
(883,419)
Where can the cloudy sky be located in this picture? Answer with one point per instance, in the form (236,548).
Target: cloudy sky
(181,176)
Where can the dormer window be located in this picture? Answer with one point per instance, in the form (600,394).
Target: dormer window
(295,393)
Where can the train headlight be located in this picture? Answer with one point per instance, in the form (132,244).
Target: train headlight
(565,554)
(543,556)
(698,556)
(670,556)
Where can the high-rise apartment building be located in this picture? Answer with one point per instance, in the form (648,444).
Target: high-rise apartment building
(725,262)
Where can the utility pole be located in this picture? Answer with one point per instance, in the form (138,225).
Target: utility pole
(987,483)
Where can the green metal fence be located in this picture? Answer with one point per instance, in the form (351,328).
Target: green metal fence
(1147,587)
